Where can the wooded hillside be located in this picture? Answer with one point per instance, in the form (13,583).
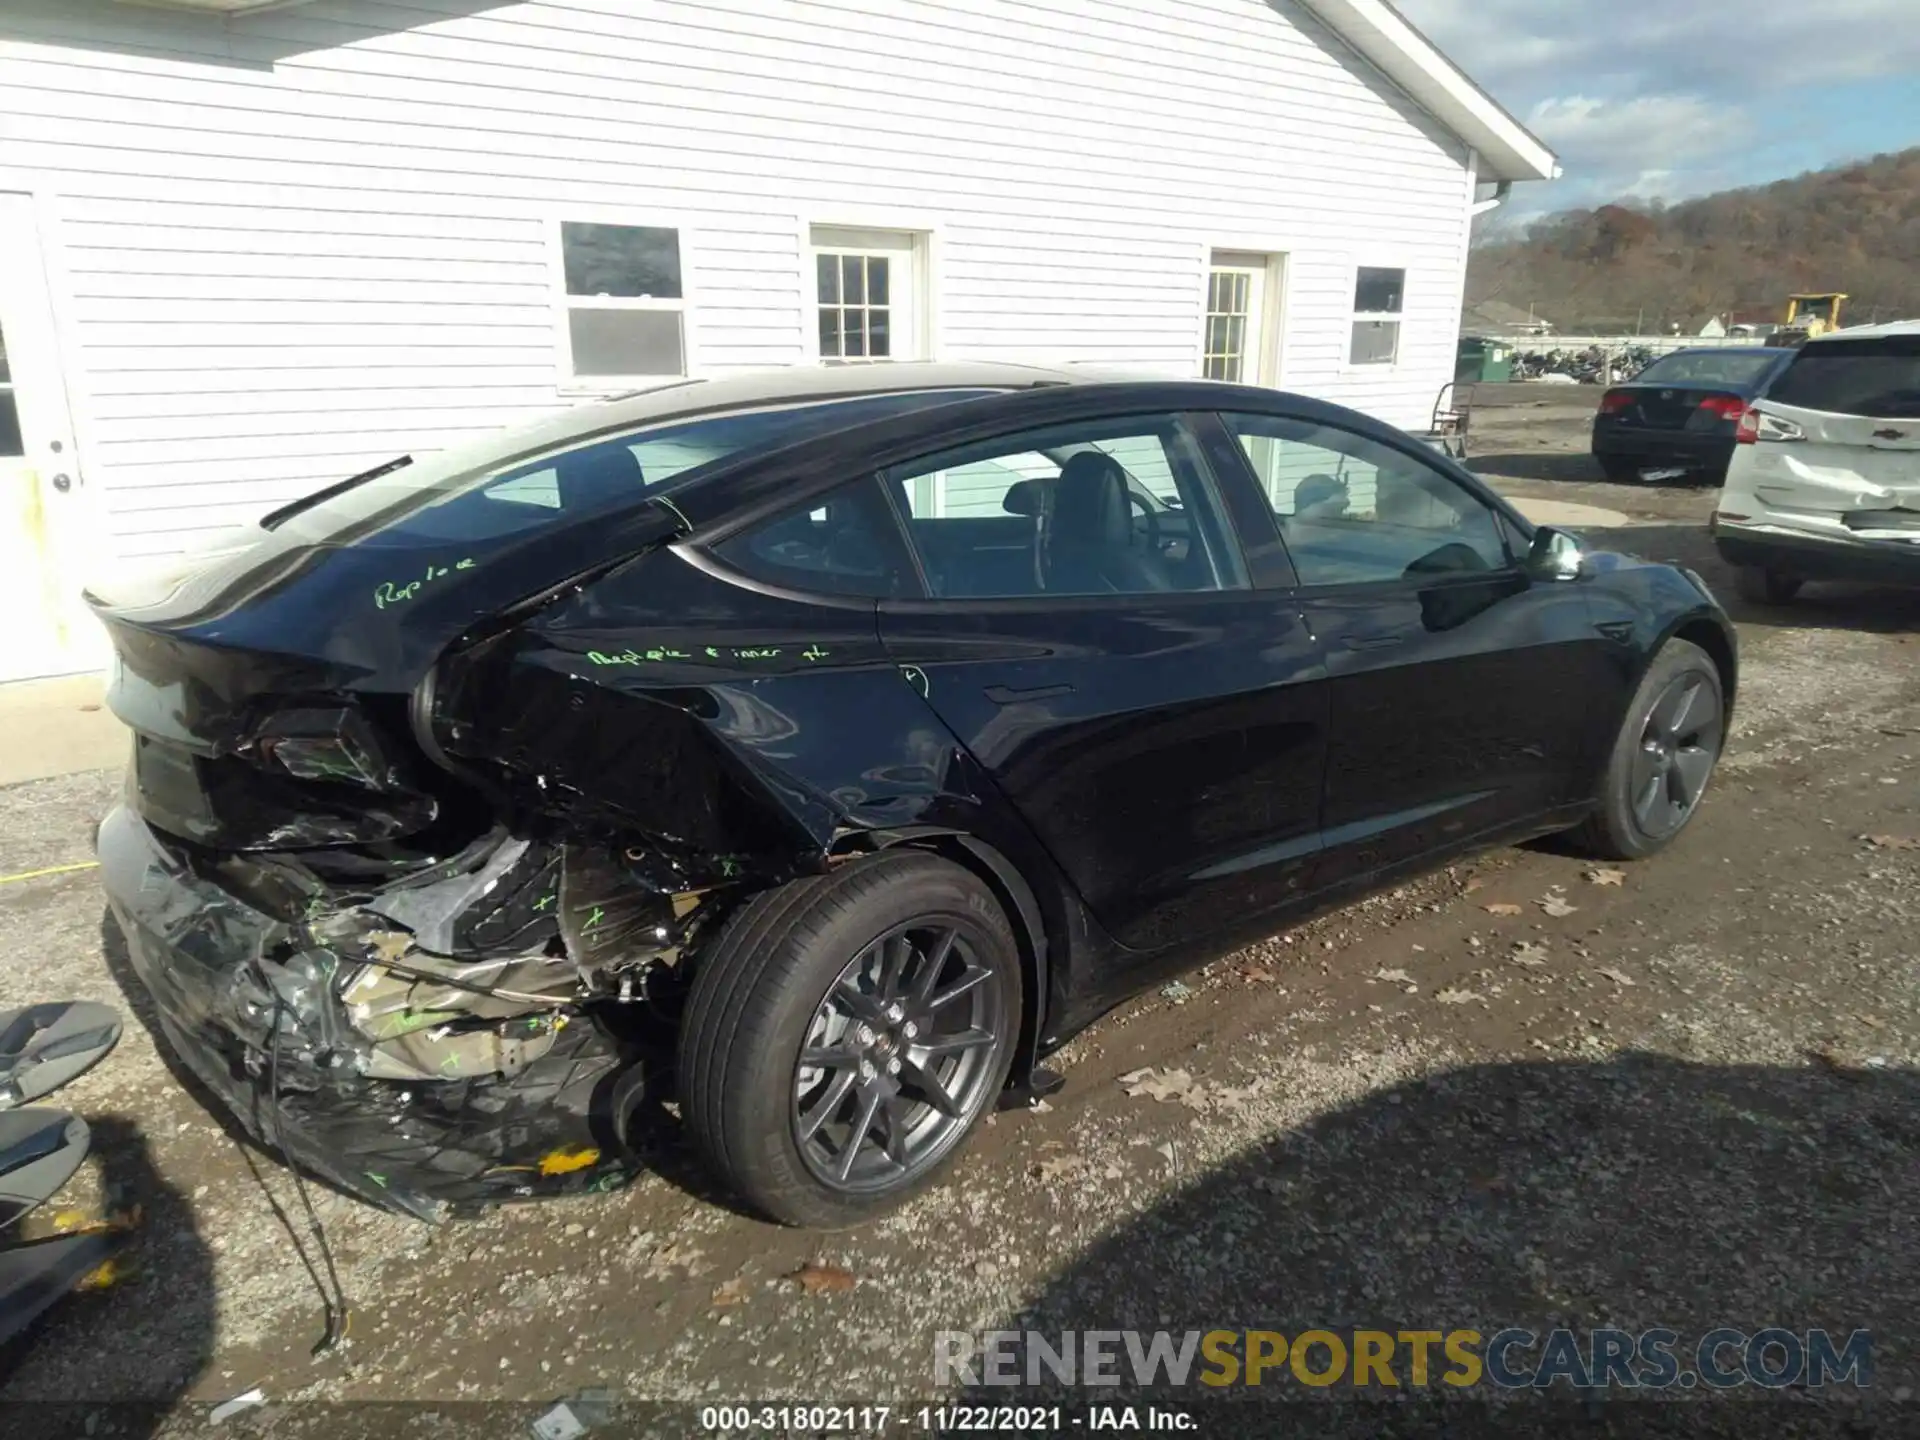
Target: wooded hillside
(1854,227)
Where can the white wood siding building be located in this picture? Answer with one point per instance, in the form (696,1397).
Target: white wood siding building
(243,255)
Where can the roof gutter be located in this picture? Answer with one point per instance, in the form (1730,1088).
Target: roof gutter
(1382,37)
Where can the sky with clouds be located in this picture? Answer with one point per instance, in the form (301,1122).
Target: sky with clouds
(1673,98)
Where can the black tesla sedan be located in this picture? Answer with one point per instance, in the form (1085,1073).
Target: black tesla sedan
(1682,413)
(847,737)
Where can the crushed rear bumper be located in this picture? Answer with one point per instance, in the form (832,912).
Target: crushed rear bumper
(232,985)
(1812,557)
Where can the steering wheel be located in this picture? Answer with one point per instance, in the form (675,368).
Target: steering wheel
(1138,502)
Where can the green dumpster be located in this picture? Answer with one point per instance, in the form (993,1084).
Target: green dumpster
(1483,361)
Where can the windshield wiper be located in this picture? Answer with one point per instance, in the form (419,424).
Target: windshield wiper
(339,487)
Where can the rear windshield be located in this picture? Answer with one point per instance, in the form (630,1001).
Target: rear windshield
(1877,378)
(468,494)
(1713,367)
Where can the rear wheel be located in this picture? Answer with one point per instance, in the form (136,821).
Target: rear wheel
(1759,585)
(1619,471)
(844,1035)
(1662,758)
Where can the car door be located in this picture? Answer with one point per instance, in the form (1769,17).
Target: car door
(1159,723)
(1462,692)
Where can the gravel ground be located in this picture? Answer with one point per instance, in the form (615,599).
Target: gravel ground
(1686,1099)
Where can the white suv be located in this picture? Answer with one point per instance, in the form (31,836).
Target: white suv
(1825,479)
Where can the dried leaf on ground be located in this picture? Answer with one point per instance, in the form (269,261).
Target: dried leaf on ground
(729,1292)
(1501,907)
(1472,885)
(1557,906)
(1872,1022)
(818,1279)
(1457,997)
(1892,842)
(1604,876)
(1527,953)
(1163,1085)
(1618,977)
(674,1256)
(1056,1167)
(1393,977)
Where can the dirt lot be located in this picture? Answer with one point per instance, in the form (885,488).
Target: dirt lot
(1686,1099)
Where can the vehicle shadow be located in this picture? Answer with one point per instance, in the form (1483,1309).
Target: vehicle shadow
(78,1370)
(1549,465)
(1640,1192)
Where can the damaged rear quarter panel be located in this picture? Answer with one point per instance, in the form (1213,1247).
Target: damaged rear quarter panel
(723,718)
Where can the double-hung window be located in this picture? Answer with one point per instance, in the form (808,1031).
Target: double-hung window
(1379,299)
(625,301)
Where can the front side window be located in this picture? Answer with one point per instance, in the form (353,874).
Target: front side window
(1353,511)
(626,301)
(1379,298)
(1093,508)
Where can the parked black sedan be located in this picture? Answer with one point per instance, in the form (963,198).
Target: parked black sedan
(1681,412)
(851,736)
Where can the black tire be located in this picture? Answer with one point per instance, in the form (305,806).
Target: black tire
(1758,585)
(1619,470)
(776,973)
(1639,810)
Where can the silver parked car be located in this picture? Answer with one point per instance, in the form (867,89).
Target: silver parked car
(1825,478)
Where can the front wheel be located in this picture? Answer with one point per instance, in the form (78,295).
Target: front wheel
(1661,759)
(1760,586)
(844,1034)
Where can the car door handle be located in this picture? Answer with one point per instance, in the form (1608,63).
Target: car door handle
(1378,640)
(1007,695)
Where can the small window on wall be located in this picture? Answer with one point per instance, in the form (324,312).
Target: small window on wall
(625,301)
(866,294)
(1378,300)
(10,443)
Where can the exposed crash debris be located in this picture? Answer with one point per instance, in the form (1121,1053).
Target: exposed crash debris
(465,1033)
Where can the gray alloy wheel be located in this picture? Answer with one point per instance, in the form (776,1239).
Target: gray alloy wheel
(845,1032)
(1662,758)
(1679,743)
(901,1057)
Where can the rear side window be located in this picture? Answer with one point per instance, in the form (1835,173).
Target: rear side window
(1877,378)
(843,543)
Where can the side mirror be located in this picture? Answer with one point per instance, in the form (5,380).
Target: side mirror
(1556,555)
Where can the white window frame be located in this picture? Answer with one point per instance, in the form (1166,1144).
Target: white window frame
(1356,316)
(568,383)
(921,282)
(1267,306)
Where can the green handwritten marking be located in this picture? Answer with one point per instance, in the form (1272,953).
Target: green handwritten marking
(392,592)
(712,654)
(755,654)
(379,1180)
(595,918)
(637,657)
(729,867)
(449,1065)
(543,902)
(814,652)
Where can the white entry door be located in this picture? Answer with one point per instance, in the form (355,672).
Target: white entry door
(1240,340)
(47,534)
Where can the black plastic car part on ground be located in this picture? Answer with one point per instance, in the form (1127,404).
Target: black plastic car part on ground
(859,734)
(1683,411)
